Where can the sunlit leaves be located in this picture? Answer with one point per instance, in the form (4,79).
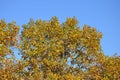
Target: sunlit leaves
(8,39)
(49,44)
(8,36)
(54,51)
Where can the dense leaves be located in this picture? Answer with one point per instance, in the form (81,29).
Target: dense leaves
(54,51)
(8,40)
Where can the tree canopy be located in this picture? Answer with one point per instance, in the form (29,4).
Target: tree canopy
(54,51)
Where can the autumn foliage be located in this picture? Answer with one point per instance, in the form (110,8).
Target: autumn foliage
(54,51)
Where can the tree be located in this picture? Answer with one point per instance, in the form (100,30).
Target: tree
(59,50)
(54,51)
(8,39)
(107,68)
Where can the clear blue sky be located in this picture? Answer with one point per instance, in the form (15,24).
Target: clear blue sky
(104,15)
